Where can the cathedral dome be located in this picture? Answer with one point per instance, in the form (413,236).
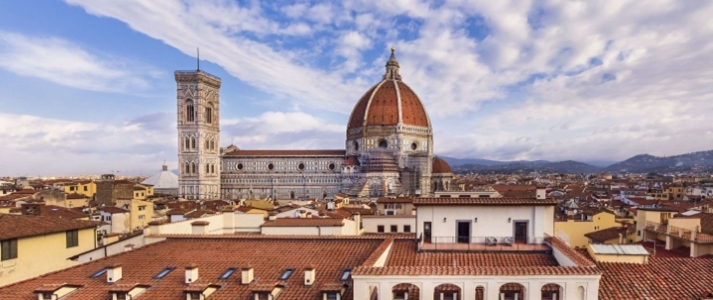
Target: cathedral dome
(389,102)
(440,166)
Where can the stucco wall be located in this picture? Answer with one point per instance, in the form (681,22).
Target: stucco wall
(576,229)
(491,220)
(371,222)
(491,284)
(112,249)
(41,254)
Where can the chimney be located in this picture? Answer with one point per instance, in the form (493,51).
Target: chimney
(541,192)
(247,275)
(309,275)
(303,213)
(113,273)
(191,273)
(128,247)
(200,227)
(272,217)
(309,215)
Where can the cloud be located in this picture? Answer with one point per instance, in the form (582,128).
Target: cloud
(506,79)
(62,62)
(72,147)
(290,130)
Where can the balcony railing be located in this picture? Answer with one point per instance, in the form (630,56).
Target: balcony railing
(482,243)
(683,233)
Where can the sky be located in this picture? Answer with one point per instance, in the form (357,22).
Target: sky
(87,86)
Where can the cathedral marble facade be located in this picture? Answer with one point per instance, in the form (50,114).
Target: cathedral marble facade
(388,150)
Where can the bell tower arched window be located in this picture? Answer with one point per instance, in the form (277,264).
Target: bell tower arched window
(188,169)
(190,112)
(209,114)
(193,168)
(193,143)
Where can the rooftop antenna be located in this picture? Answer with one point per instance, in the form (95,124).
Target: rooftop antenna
(198,59)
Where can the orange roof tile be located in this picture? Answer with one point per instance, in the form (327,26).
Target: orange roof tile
(483,201)
(306,222)
(214,256)
(17,226)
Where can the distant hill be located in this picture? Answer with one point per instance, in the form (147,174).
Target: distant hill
(568,166)
(645,163)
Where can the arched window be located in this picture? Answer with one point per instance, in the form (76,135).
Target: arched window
(551,291)
(580,293)
(212,145)
(406,291)
(447,291)
(212,169)
(209,115)
(511,291)
(193,143)
(207,145)
(193,168)
(207,168)
(190,112)
(480,293)
(383,144)
(188,169)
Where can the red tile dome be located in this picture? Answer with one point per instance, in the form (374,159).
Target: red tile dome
(440,166)
(389,102)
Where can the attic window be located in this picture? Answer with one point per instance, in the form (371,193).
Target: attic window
(227,273)
(98,273)
(345,275)
(163,273)
(286,274)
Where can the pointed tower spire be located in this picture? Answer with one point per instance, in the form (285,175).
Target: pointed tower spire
(392,67)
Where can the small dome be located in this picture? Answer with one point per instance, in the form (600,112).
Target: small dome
(389,102)
(163,180)
(440,166)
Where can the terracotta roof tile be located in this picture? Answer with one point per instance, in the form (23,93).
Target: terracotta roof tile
(660,278)
(16,226)
(475,271)
(306,222)
(601,236)
(214,256)
(404,253)
(483,201)
(440,166)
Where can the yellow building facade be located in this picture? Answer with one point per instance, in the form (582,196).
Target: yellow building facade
(141,212)
(29,256)
(574,230)
(87,188)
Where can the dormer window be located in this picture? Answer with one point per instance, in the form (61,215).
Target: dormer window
(227,273)
(286,274)
(55,291)
(98,273)
(345,275)
(194,296)
(163,273)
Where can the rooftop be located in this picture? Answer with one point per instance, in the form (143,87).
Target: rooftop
(304,222)
(484,201)
(329,256)
(17,226)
